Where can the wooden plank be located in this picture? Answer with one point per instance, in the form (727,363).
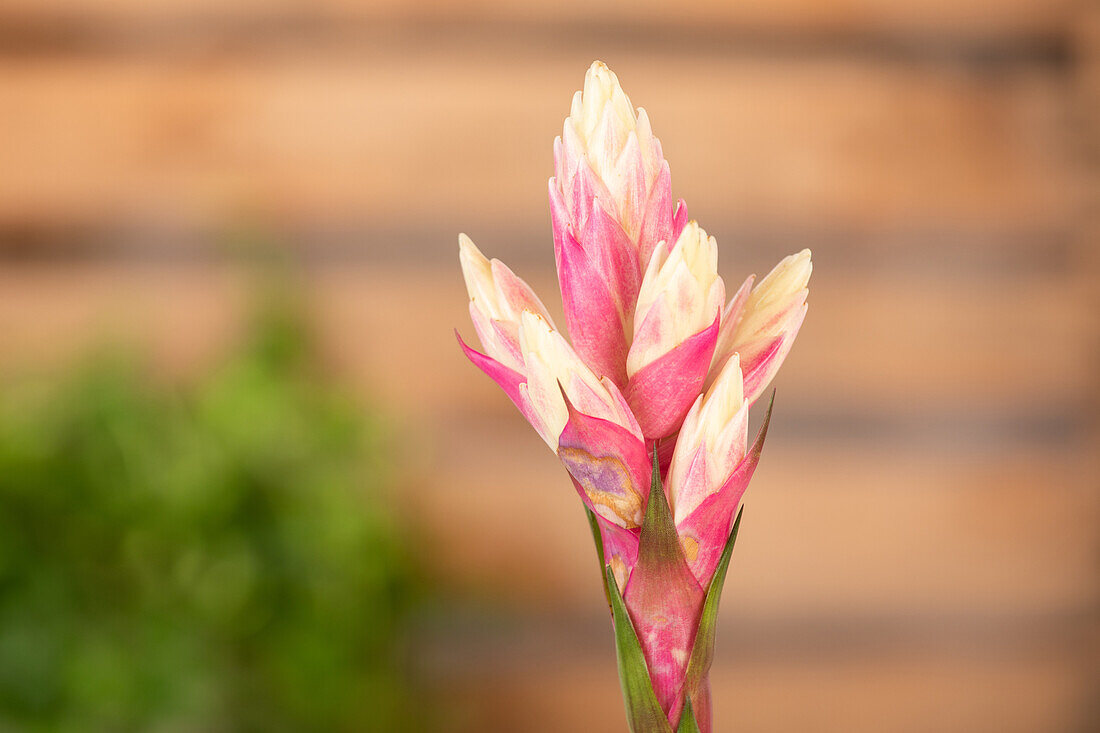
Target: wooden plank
(54,314)
(912,346)
(846,531)
(982,18)
(837,524)
(890,695)
(350,140)
(1086,107)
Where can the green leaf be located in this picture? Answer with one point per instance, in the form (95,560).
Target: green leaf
(660,551)
(687,719)
(659,544)
(643,712)
(702,651)
(595,527)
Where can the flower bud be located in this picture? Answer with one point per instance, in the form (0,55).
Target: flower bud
(761,325)
(555,373)
(709,471)
(616,142)
(497,298)
(675,328)
(610,204)
(680,296)
(711,443)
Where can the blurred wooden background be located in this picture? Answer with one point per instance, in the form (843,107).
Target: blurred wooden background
(921,547)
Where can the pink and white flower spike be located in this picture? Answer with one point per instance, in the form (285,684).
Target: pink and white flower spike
(675,331)
(611,206)
(647,403)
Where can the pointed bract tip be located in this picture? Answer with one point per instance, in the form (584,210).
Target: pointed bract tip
(758,444)
(600,72)
(804,262)
(468,250)
(694,239)
(469,254)
(731,386)
(534,326)
(791,274)
(569,409)
(476,271)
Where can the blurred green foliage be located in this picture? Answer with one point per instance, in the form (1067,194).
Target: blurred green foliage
(214,557)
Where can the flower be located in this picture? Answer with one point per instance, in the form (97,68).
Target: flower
(624,158)
(711,445)
(548,382)
(497,300)
(760,325)
(675,330)
(647,407)
(611,205)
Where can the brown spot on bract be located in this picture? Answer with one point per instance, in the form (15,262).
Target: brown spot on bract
(618,569)
(606,482)
(691,548)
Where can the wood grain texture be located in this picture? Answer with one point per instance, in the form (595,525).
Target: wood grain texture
(994,519)
(346,139)
(920,548)
(926,350)
(981,18)
(832,530)
(891,695)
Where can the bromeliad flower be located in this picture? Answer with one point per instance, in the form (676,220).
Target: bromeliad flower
(675,330)
(610,206)
(760,325)
(648,408)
